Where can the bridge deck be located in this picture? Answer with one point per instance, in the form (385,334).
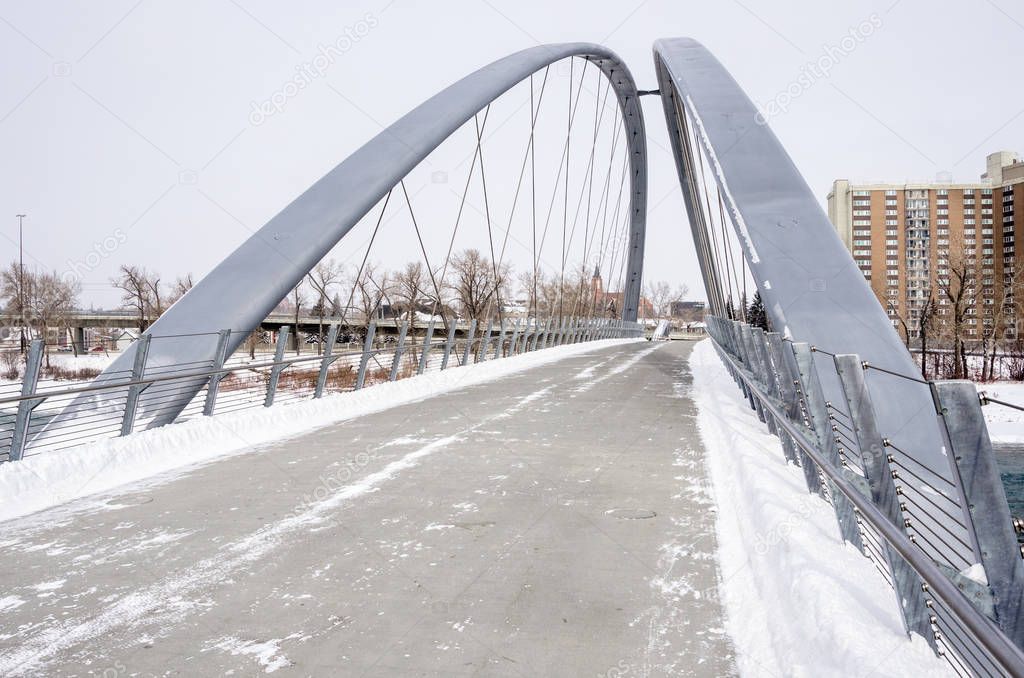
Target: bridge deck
(496,530)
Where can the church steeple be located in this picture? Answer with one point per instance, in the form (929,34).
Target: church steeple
(596,284)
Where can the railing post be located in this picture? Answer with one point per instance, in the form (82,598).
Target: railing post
(741,353)
(500,344)
(751,363)
(131,403)
(277,368)
(515,338)
(426,347)
(469,341)
(536,334)
(963,424)
(874,461)
(33,365)
(326,361)
(396,361)
(449,343)
(741,345)
(213,386)
(368,349)
(728,333)
(815,418)
(767,377)
(485,345)
(786,383)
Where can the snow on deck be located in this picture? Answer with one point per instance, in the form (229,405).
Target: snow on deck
(798,600)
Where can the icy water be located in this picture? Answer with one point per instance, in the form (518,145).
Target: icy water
(1011,467)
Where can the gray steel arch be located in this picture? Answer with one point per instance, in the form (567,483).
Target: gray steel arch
(812,289)
(246,286)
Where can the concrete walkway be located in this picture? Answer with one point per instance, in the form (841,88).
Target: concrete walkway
(554,523)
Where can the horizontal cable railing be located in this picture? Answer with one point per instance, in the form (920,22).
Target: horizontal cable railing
(47,415)
(937,530)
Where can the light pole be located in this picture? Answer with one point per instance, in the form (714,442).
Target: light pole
(21,278)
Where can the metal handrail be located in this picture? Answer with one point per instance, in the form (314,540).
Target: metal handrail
(169,382)
(1001,648)
(176,377)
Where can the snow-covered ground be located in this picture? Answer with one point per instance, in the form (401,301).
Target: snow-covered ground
(68,361)
(1005,424)
(51,478)
(798,600)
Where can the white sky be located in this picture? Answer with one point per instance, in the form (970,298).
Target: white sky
(135,115)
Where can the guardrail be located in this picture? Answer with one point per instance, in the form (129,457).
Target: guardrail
(37,416)
(942,538)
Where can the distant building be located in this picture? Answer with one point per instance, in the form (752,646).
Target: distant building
(691,311)
(119,340)
(609,304)
(900,235)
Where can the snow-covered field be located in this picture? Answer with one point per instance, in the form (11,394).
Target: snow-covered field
(798,600)
(1005,424)
(51,478)
(68,361)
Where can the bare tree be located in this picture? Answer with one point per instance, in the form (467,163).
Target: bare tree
(474,284)
(368,294)
(298,299)
(12,294)
(322,278)
(155,300)
(679,293)
(549,292)
(956,287)
(926,324)
(44,301)
(904,328)
(136,287)
(409,287)
(1002,314)
(660,295)
(182,284)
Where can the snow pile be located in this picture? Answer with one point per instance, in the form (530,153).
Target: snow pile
(52,478)
(1005,424)
(798,601)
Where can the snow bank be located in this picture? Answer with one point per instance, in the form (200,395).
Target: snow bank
(798,601)
(52,478)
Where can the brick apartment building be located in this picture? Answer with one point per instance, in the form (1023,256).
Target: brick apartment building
(905,237)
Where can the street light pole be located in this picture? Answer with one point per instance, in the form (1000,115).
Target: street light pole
(21,278)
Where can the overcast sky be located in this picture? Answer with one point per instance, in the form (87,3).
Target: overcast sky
(132,119)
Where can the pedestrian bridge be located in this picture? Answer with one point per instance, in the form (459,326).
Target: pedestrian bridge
(509,528)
